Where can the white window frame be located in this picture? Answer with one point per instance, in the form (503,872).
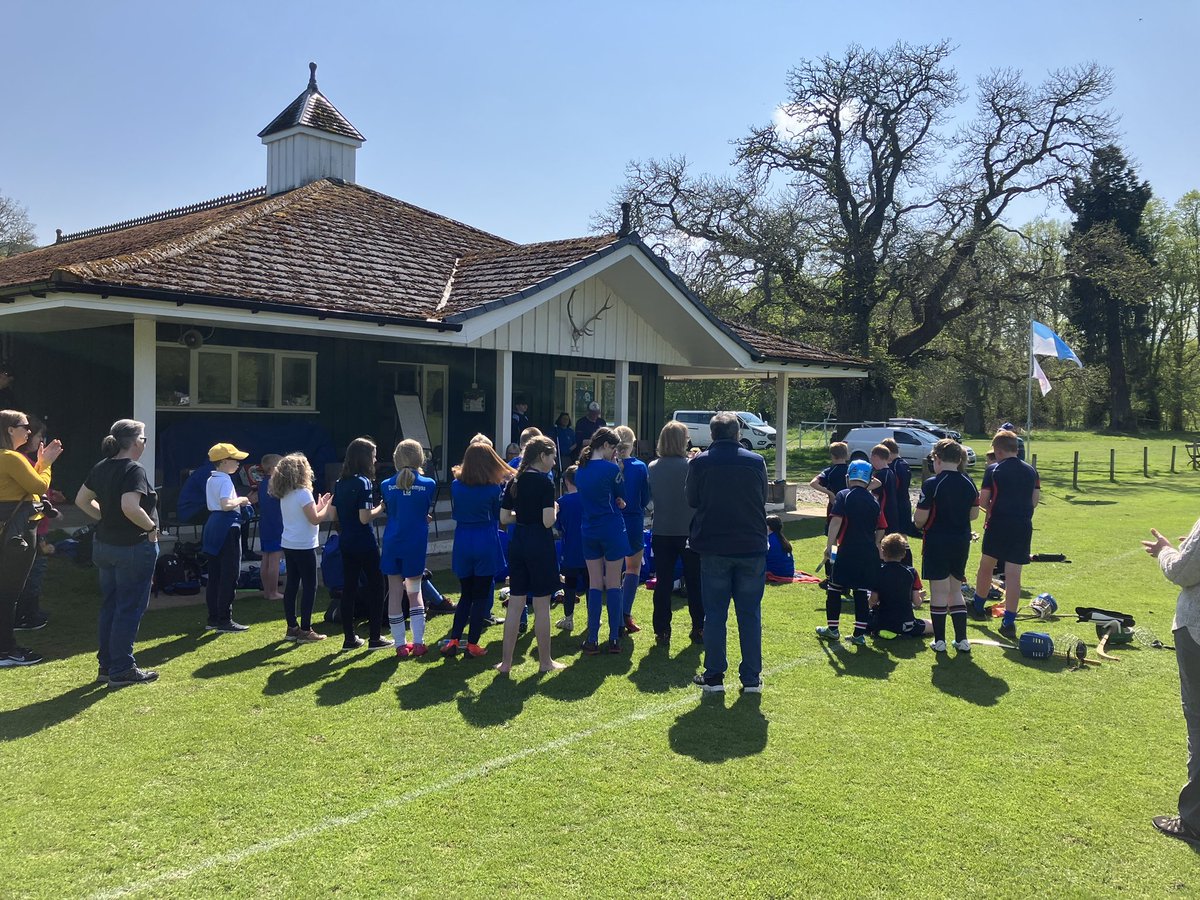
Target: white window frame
(277,380)
(569,375)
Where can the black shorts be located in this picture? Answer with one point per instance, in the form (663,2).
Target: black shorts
(945,556)
(532,562)
(1008,540)
(856,568)
(905,628)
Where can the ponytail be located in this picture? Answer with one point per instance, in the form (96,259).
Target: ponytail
(121,437)
(408,458)
(775,526)
(602,437)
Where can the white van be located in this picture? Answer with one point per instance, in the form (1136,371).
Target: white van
(915,443)
(755,435)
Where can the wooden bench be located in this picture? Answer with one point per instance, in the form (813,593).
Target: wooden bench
(1193,452)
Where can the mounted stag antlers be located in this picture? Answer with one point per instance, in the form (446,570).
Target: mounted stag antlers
(585,330)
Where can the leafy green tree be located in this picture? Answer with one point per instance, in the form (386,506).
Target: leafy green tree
(1112,278)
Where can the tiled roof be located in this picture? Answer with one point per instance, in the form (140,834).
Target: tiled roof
(312,109)
(495,275)
(326,246)
(336,248)
(772,346)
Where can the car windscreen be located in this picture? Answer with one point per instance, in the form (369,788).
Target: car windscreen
(750,418)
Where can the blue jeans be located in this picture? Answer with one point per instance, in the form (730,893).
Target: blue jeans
(125,576)
(740,578)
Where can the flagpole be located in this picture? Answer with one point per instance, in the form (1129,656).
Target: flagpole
(1029,395)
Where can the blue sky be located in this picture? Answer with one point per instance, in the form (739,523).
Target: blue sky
(516,117)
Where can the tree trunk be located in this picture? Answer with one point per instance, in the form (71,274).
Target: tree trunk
(1120,406)
(867,399)
(973,412)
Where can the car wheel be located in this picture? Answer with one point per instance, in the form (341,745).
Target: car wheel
(745,443)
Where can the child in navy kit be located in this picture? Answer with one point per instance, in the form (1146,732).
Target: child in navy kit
(222,537)
(528,504)
(270,529)
(903,475)
(945,509)
(1010,491)
(780,562)
(883,486)
(637,497)
(291,485)
(572,564)
(832,479)
(855,530)
(407,499)
(476,557)
(897,593)
(605,543)
(353,498)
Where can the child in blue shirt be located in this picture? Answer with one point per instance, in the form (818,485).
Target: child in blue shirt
(779,550)
(574,568)
(407,498)
(605,544)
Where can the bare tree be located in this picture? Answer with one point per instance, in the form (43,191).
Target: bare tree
(860,211)
(16,231)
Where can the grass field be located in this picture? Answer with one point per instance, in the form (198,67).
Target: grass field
(255,768)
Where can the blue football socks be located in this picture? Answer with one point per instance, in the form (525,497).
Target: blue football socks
(595,606)
(629,586)
(615,618)
(979,605)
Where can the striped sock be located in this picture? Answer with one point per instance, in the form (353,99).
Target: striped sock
(862,612)
(629,586)
(958,616)
(416,618)
(833,608)
(397,626)
(939,622)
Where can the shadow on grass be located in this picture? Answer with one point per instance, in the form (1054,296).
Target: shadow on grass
(28,720)
(249,659)
(501,700)
(711,733)
(442,679)
(959,676)
(862,662)
(359,680)
(584,674)
(658,671)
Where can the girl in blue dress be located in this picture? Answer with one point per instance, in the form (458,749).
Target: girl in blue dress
(476,558)
(407,498)
(605,544)
(637,498)
(564,437)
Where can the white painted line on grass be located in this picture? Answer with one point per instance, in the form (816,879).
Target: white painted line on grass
(233,857)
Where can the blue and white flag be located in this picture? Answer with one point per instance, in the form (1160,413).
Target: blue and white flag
(1042,380)
(1047,343)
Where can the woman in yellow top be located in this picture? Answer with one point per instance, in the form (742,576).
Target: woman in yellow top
(21,485)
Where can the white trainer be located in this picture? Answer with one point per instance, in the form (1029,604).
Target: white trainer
(938,646)
(566,623)
(963,646)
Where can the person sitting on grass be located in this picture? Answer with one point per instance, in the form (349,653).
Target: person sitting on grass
(780,563)
(1009,493)
(947,505)
(897,594)
(852,553)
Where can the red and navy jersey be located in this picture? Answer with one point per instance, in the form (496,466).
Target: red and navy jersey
(949,497)
(833,478)
(1012,483)
(886,495)
(903,472)
(860,515)
(895,587)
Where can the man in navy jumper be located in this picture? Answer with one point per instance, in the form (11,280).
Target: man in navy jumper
(727,486)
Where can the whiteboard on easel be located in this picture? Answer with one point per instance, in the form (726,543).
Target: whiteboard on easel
(411,418)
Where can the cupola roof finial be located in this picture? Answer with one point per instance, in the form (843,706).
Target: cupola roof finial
(312,76)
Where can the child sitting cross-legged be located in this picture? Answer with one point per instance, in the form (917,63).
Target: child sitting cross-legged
(897,594)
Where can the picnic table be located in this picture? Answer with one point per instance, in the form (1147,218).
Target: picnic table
(1193,452)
